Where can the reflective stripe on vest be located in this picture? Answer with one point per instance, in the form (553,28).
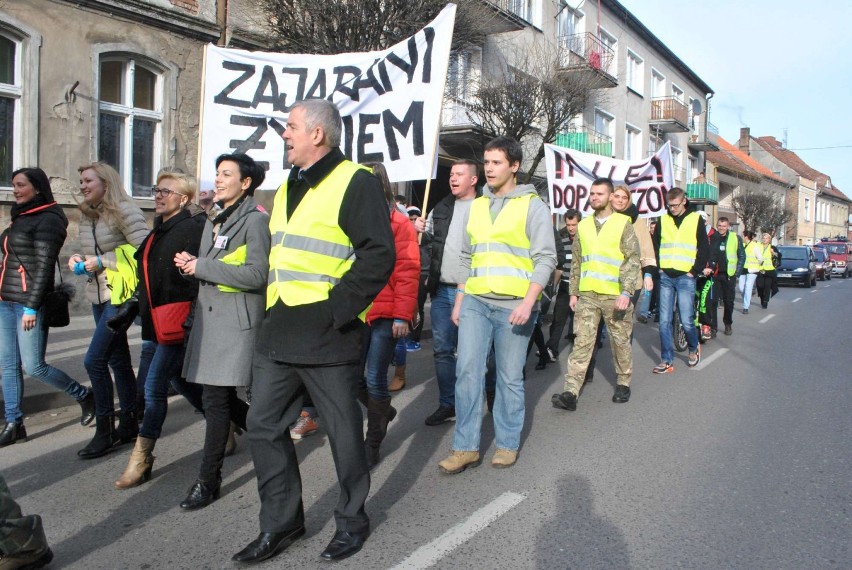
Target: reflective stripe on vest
(123,280)
(679,245)
(500,260)
(310,253)
(751,262)
(731,254)
(602,256)
(767,259)
(236,257)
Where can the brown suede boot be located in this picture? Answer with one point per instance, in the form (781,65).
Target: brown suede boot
(397,383)
(139,467)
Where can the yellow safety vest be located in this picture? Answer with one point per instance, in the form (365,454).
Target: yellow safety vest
(602,256)
(236,257)
(751,262)
(679,245)
(310,253)
(500,260)
(731,253)
(122,280)
(767,259)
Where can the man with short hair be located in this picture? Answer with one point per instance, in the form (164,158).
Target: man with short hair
(730,258)
(332,252)
(682,249)
(512,257)
(562,312)
(607,271)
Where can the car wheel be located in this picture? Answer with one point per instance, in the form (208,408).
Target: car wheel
(813,282)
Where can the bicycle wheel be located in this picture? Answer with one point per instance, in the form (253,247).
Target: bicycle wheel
(678,334)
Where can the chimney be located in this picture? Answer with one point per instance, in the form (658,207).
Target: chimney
(745,135)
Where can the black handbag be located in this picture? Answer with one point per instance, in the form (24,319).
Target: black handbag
(56,313)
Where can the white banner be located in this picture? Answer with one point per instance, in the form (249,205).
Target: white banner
(390,102)
(570,174)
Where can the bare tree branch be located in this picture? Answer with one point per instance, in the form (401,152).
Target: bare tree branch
(761,210)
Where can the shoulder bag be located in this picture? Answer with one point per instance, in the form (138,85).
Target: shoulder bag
(168,319)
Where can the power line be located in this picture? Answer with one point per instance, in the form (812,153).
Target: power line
(803,148)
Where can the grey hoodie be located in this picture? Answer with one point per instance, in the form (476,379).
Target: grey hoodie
(539,229)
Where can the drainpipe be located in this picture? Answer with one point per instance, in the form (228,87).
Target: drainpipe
(222,19)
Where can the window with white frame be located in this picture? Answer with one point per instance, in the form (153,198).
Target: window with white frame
(463,74)
(568,23)
(635,71)
(10,97)
(632,143)
(692,169)
(677,92)
(658,84)
(677,164)
(652,145)
(608,40)
(130,120)
(525,9)
(604,123)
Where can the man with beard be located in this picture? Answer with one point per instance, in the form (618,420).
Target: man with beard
(606,269)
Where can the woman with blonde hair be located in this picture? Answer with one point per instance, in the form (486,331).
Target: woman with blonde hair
(111,228)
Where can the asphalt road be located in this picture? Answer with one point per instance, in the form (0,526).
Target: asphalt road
(743,462)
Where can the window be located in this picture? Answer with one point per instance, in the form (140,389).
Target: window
(632,143)
(524,9)
(635,72)
(677,164)
(130,121)
(807,209)
(463,74)
(10,97)
(658,84)
(608,40)
(603,123)
(569,22)
(692,170)
(677,92)
(652,145)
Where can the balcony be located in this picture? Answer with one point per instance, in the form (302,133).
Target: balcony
(669,115)
(586,58)
(514,15)
(702,193)
(704,139)
(586,140)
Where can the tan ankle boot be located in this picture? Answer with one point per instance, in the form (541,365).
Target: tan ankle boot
(139,467)
(397,383)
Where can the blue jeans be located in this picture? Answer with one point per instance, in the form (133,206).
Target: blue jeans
(684,287)
(444,341)
(109,350)
(166,365)
(480,325)
(746,285)
(379,353)
(19,348)
(400,354)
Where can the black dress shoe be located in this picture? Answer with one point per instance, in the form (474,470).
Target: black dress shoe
(441,415)
(267,545)
(541,364)
(344,544)
(622,394)
(200,495)
(13,433)
(87,408)
(564,401)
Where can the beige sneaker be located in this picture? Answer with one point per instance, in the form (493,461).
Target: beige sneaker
(504,458)
(458,461)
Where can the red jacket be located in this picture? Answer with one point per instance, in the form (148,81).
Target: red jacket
(398,300)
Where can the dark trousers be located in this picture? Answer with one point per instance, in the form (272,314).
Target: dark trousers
(277,389)
(562,315)
(421,304)
(726,289)
(765,282)
(221,407)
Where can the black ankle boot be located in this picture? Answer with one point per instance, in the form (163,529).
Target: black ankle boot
(13,433)
(379,414)
(128,427)
(87,408)
(105,440)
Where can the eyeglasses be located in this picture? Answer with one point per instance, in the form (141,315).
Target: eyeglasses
(164,192)
(674,205)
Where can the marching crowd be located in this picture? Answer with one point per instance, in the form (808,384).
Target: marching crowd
(313,302)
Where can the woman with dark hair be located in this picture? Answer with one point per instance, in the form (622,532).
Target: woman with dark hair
(30,247)
(389,318)
(232,268)
(161,284)
(111,228)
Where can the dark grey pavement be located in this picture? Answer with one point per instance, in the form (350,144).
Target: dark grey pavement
(743,462)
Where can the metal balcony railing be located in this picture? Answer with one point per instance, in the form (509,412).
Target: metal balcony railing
(586,140)
(585,51)
(520,8)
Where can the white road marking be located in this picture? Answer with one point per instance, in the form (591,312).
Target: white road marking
(429,554)
(706,361)
(766,318)
(796,300)
(58,355)
(826,286)
(813,290)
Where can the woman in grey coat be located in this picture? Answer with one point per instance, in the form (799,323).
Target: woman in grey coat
(232,268)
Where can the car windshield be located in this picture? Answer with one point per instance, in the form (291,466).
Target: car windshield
(836,249)
(793,253)
(820,255)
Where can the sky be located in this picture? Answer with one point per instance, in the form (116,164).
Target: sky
(775,66)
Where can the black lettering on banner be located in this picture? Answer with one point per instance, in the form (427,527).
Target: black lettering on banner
(640,203)
(342,84)
(317,90)
(556,193)
(569,196)
(658,166)
(413,118)
(253,141)
(302,74)
(368,81)
(572,165)
(582,193)
(279,128)
(365,138)
(654,198)
(405,66)
(595,173)
(223,97)
(268,81)
(383,74)
(558,170)
(427,57)
(633,174)
(347,135)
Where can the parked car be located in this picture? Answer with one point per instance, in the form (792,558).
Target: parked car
(798,265)
(823,264)
(840,253)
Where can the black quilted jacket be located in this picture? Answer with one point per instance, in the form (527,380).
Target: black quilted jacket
(30,246)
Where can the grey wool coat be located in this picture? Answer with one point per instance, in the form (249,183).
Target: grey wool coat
(221,341)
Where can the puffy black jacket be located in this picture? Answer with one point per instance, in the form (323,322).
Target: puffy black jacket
(30,247)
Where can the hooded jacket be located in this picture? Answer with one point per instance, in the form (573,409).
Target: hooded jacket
(398,299)
(30,247)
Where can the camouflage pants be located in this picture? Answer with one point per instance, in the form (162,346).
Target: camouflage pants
(591,307)
(16,530)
